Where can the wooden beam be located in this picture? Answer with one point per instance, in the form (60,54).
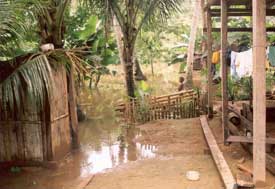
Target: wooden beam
(224,170)
(270,29)
(270,160)
(240,12)
(259,90)
(244,139)
(224,20)
(209,63)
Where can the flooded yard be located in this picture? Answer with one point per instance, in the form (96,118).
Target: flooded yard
(104,144)
(117,156)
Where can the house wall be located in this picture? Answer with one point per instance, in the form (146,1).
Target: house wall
(29,139)
(60,122)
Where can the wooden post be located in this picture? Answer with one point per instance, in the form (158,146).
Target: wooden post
(169,108)
(209,63)
(224,31)
(72,108)
(191,45)
(259,90)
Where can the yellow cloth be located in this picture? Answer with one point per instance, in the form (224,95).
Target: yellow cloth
(216,57)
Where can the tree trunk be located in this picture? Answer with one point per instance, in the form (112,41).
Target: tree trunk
(152,67)
(139,76)
(126,55)
(191,46)
(97,79)
(129,72)
(119,39)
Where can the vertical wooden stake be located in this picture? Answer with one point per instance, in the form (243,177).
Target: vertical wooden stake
(224,30)
(259,90)
(209,63)
(72,108)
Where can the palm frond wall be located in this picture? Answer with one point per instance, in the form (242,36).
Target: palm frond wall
(30,82)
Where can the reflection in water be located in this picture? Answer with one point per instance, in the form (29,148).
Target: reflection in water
(113,154)
(101,149)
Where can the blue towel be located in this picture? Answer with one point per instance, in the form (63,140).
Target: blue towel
(271,55)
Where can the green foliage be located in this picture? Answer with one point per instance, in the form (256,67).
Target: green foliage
(148,46)
(89,28)
(74,24)
(100,50)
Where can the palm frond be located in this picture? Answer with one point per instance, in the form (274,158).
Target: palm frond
(157,10)
(13,27)
(30,82)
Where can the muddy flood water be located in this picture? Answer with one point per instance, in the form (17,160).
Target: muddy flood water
(104,144)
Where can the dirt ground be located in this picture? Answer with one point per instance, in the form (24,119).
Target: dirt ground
(180,147)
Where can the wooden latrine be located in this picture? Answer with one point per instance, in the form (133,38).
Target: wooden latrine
(36,137)
(258,9)
(180,105)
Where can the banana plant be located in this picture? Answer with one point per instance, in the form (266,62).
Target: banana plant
(100,49)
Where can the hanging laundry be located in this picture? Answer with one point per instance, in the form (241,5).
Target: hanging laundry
(216,57)
(215,60)
(271,55)
(233,71)
(244,63)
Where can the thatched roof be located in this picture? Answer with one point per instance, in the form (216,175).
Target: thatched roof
(7,67)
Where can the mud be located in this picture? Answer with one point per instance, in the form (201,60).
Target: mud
(181,147)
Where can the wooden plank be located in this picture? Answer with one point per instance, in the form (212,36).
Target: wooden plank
(244,139)
(224,20)
(259,90)
(245,180)
(225,172)
(209,62)
(245,169)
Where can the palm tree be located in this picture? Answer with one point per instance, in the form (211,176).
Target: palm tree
(131,16)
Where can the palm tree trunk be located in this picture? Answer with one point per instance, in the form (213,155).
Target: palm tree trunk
(119,39)
(191,46)
(128,58)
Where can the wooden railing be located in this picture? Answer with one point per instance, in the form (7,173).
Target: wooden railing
(178,105)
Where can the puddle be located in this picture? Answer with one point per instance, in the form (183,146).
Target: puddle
(103,150)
